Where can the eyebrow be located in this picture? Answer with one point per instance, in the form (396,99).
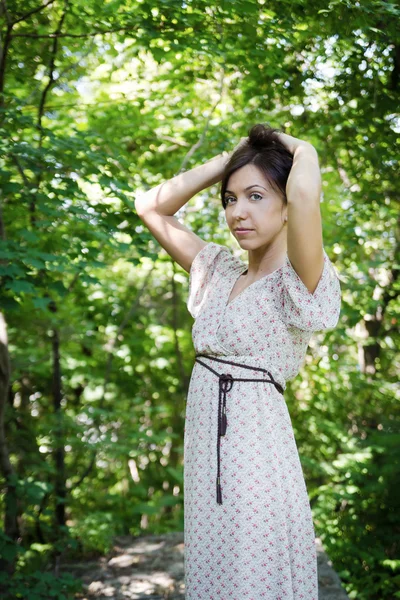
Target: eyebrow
(248,188)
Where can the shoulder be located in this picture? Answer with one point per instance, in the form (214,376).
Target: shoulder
(314,311)
(329,279)
(215,257)
(210,267)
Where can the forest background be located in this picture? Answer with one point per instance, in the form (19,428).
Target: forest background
(100,101)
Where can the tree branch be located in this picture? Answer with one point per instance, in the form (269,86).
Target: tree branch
(32,12)
(72,35)
(51,66)
(3,61)
(4,10)
(203,134)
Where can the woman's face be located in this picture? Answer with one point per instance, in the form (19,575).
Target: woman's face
(252,204)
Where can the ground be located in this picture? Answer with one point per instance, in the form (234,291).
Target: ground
(150,567)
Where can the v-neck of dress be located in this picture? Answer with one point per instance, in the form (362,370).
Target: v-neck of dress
(244,268)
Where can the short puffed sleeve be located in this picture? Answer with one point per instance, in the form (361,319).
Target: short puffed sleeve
(315,311)
(212,261)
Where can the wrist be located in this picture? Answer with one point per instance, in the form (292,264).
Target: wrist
(305,147)
(225,156)
(221,159)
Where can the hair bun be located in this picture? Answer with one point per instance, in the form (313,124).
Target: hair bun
(261,136)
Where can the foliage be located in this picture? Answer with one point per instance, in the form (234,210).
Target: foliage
(32,574)
(101,101)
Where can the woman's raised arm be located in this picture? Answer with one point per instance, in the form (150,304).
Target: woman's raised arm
(304,224)
(157,207)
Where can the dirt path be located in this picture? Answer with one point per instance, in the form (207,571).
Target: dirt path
(151,568)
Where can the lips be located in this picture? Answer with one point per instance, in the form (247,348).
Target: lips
(243,232)
(243,229)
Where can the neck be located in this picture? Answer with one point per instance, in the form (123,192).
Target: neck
(265,260)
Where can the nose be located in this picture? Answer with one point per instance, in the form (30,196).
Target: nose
(239,209)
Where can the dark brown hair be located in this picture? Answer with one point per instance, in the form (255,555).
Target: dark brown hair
(264,150)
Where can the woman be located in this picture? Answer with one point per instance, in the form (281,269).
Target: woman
(248,524)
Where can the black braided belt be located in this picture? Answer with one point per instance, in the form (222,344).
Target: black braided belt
(225,385)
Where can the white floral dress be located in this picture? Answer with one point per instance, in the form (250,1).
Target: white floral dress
(259,543)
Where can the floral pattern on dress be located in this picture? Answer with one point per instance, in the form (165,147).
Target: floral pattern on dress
(260,543)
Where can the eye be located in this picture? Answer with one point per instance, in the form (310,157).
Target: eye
(256,194)
(227,198)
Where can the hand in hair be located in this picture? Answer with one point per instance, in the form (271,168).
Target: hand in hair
(292,143)
(243,142)
(262,137)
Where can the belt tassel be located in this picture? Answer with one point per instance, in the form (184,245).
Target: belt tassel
(225,385)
